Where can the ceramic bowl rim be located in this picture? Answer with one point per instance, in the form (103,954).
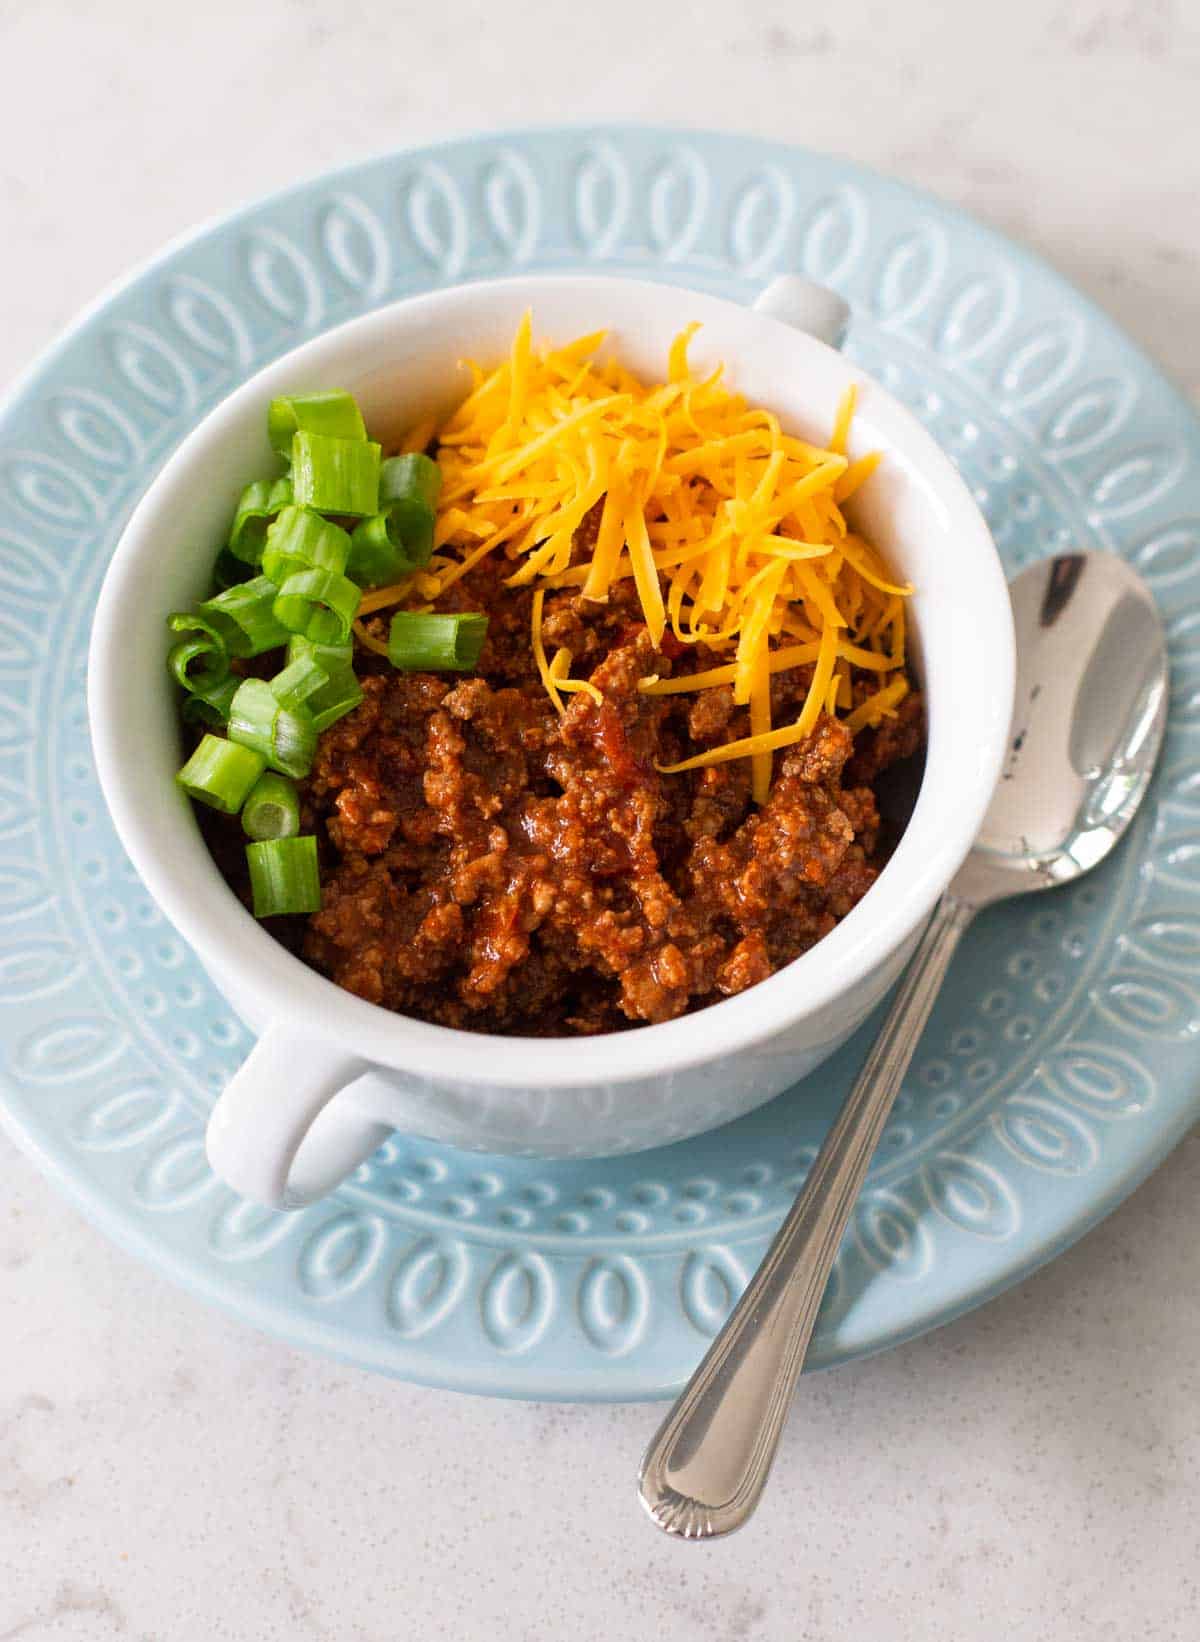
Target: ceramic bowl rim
(264,981)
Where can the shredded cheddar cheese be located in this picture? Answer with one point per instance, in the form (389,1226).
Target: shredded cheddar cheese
(730,529)
(560,669)
(539,652)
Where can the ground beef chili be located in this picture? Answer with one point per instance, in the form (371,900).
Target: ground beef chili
(488,865)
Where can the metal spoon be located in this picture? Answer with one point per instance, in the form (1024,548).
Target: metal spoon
(1091,705)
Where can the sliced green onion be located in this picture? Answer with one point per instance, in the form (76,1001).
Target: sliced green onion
(320,604)
(431,643)
(333,658)
(327,690)
(201,659)
(272,809)
(399,538)
(259,504)
(377,556)
(342,693)
(220,773)
(229,571)
(332,413)
(284,876)
(391,544)
(298,680)
(210,707)
(334,700)
(411,476)
(336,475)
(243,616)
(300,539)
(285,738)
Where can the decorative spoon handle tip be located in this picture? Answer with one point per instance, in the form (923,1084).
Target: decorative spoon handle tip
(706,1466)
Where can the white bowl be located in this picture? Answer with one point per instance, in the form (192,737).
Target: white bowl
(544,1097)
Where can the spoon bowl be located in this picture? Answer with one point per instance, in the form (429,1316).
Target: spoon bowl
(1090,711)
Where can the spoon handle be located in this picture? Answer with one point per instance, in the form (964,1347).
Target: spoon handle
(706,1466)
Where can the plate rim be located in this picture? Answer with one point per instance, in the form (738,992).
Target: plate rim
(26,377)
(520,1377)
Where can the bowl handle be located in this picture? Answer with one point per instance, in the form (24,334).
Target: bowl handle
(807,306)
(279,1134)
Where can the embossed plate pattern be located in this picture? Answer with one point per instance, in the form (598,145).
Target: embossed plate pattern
(1060,1065)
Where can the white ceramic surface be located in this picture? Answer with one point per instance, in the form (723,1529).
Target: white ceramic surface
(278,1134)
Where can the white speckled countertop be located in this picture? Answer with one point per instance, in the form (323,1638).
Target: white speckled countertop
(1031,1472)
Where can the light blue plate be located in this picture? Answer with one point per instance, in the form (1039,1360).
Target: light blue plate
(1060,1065)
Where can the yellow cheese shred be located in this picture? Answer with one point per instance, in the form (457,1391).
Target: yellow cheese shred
(843,419)
(760,725)
(856,475)
(574,474)
(419,437)
(368,640)
(781,661)
(645,571)
(560,668)
(773,740)
(880,705)
(539,652)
